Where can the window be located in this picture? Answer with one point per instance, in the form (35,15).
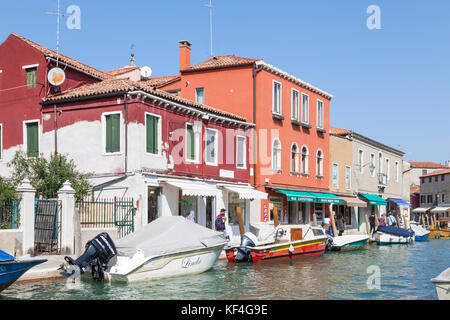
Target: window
(294,105)
(31,78)
(319,163)
(233,202)
(152,124)
(347,177)
(360,160)
(380,163)
(429,179)
(294,158)
(442,177)
(424,171)
(422,180)
(335,175)
(430,198)
(276,155)
(304,160)
(388,169)
(372,165)
(211,147)
(276,104)
(435,178)
(241,150)
(305,108)
(187,205)
(191,143)
(422,199)
(200,95)
(112,142)
(32,138)
(396,171)
(443,197)
(319,114)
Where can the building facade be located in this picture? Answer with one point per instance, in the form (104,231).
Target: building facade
(434,194)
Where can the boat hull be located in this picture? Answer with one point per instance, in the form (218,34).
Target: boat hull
(288,250)
(442,290)
(172,265)
(10,271)
(386,238)
(421,238)
(436,234)
(357,245)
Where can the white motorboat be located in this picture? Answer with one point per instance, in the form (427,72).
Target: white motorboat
(347,242)
(420,233)
(168,246)
(442,285)
(393,235)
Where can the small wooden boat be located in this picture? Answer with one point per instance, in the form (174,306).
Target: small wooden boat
(440,229)
(12,268)
(286,241)
(442,285)
(347,242)
(393,235)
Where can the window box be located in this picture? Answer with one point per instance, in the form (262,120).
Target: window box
(296,122)
(321,130)
(305,174)
(276,170)
(277,116)
(295,173)
(319,177)
(305,125)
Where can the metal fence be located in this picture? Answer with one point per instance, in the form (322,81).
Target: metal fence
(9,213)
(107,213)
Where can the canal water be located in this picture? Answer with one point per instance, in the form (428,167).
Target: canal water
(379,272)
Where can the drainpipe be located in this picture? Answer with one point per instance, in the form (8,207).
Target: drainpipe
(254,121)
(126,131)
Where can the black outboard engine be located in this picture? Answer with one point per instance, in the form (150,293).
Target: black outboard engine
(97,254)
(243,253)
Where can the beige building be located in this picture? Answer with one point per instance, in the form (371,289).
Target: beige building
(420,168)
(435,193)
(379,177)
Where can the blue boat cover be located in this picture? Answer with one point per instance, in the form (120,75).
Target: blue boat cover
(5,256)
(396,231)
(400,202)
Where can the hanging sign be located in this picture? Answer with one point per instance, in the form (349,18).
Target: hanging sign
(56,77)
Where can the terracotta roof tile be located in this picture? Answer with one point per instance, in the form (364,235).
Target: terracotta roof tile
(428,165)
(414,189)
(221,62)
(436,173)
(339,131)
(112,86)
(72,62)
(123,70)
(161,81)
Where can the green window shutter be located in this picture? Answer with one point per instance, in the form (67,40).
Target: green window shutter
(32,139)
(113,133)
(190,142)
(152,134)
(31,78)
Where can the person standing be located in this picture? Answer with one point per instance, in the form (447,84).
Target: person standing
(391,221)
(220,222)
(340,224)
(382,222)
(372,223)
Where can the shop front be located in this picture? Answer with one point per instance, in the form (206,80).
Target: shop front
(349,209)
(375,204)
(401,209)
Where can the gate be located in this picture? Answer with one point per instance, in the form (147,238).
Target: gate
(124,216)
(47,226)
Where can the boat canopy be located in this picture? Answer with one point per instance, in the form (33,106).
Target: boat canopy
(304,196)
(373,199)
(421,209)
(195,188)
(395,231)
(167,235)
(353,202)
(440,209)
(245,192)
(400,202)
(5,256)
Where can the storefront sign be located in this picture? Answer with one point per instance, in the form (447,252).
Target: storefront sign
(299,198)
(226,173)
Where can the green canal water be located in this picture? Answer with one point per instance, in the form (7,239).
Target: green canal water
(405,273)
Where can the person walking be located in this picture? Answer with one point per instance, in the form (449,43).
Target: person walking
(220,222)
(372,223)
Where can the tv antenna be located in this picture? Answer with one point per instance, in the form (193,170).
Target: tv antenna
(210,6)
(132,55)
(58,15)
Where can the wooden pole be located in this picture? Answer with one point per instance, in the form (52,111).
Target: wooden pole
(240,221)
(314,216)
(275,217)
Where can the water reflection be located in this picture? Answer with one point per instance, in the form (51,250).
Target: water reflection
(406,271)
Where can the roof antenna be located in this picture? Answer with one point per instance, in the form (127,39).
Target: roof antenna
(58,15)
(132,55)
(210,6)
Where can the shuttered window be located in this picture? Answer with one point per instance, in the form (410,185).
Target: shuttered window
(152,133)
(32,139)
(112,133)
(190,142)
(31,78)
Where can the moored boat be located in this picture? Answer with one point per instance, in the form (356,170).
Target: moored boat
(347,242)
(168,246)
(440,229)
(393,235)
(12,268)
(286,241)
(420,233)
(442,285)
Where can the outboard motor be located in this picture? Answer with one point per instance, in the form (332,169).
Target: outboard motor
(247,240)
(97,254)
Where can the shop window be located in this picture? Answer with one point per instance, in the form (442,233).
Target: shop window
(233,202)
(187,205)
(278,203)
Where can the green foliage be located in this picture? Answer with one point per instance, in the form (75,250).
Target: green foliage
(48,176)
(7,190)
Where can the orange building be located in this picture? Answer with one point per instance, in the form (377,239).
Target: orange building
(291,159)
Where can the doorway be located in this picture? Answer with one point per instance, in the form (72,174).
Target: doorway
(152,204)
(210,206)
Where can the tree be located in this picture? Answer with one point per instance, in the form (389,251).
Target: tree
(48,176)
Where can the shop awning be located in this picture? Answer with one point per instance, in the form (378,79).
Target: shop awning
(440,209)
(353,202)
(373,199)
(400,202)
(195,188)
(421,209)
(327,198)
(301,196)
(246,192)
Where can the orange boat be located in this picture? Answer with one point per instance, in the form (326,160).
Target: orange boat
(440,229)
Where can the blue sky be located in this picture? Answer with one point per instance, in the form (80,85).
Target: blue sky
(389,84)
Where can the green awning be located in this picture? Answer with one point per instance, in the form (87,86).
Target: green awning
(327,198)
(300,196)
(373,199)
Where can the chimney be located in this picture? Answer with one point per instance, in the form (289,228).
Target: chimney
(185,54)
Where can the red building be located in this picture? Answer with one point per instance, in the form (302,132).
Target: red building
(290,143)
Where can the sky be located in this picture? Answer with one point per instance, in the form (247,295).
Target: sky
(388,83)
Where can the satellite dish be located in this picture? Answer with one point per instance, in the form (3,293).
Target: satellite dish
(146,72)
(56,77)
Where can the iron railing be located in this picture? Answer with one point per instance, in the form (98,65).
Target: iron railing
(9,213)
(47,225)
